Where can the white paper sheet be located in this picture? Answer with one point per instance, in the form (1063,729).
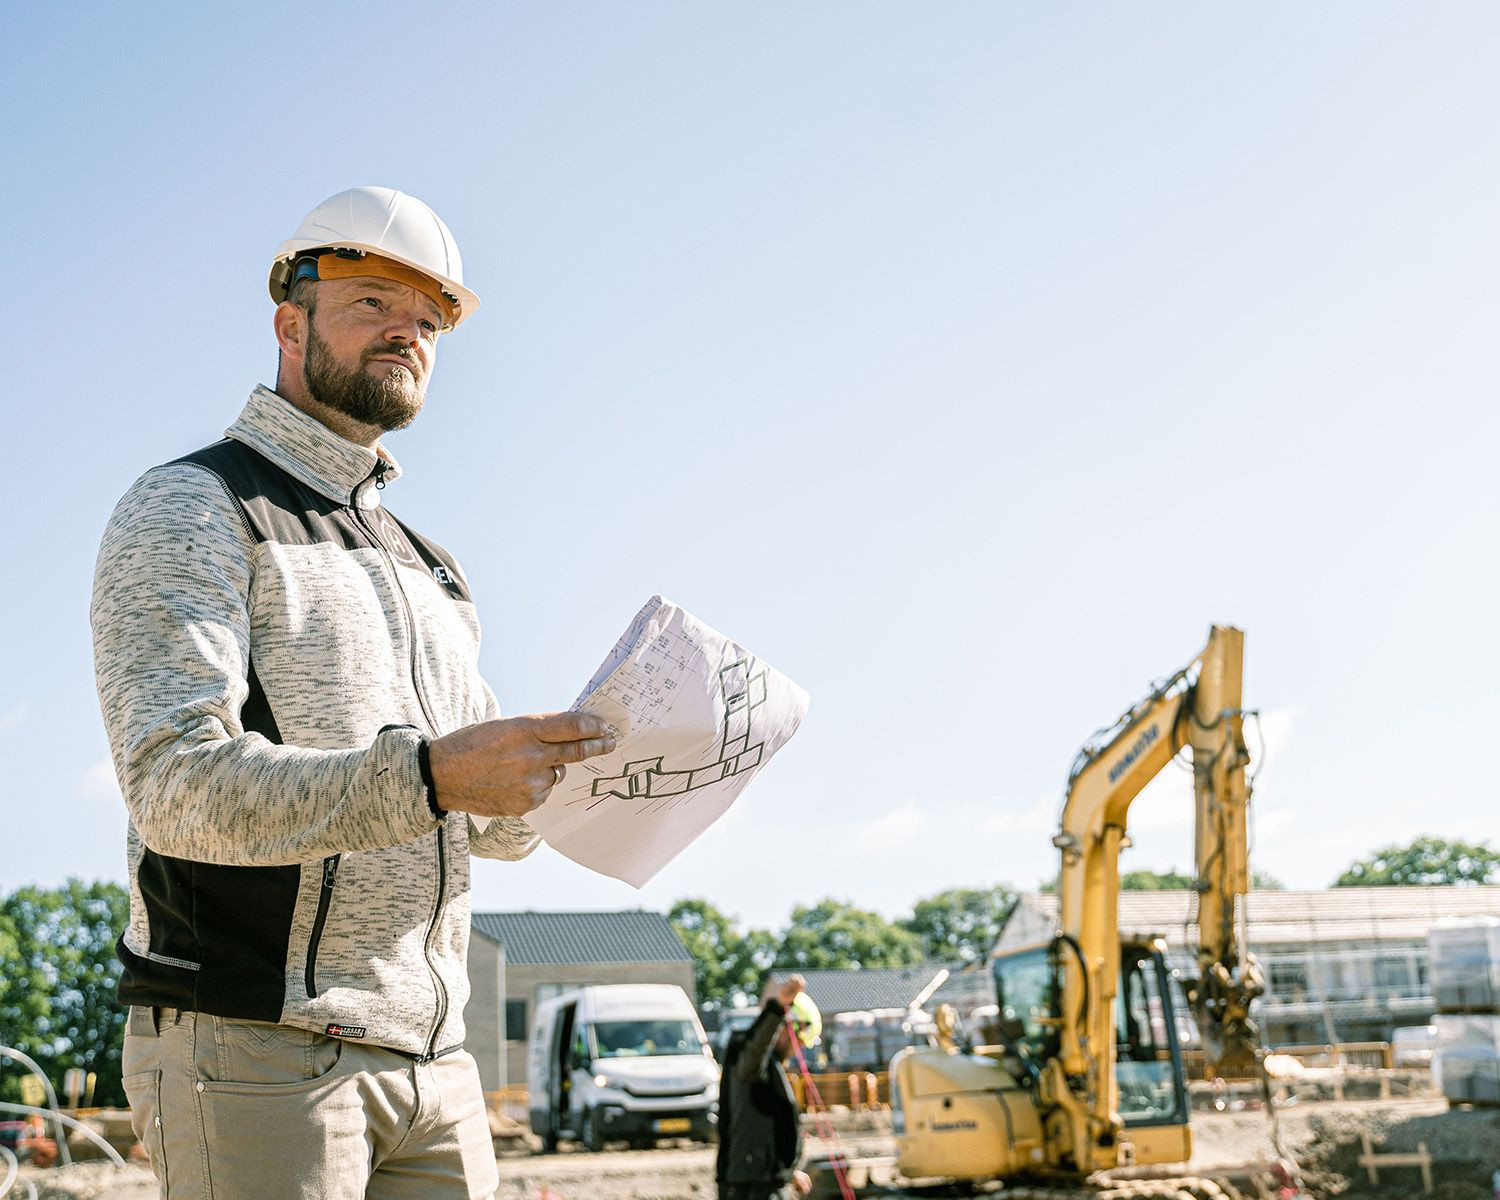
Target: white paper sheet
(695,717)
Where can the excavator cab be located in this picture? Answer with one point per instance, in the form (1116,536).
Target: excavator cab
(1149,1024)
(1148,1053)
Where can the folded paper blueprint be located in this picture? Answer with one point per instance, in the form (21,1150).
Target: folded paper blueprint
(695,717)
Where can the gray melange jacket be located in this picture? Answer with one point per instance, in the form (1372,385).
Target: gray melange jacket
(271,646)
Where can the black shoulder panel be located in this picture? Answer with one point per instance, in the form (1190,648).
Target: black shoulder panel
(435,560)
(277,506)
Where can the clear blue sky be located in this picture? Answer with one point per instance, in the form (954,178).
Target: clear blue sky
(966,361)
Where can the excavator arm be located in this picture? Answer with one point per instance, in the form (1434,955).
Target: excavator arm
(1077,1081)
(1198,707)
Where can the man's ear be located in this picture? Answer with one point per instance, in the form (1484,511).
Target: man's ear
(291,325)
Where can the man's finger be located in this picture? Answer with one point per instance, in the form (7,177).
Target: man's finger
(568,727)
(571,752)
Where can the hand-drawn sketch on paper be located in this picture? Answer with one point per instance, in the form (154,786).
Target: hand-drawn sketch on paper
(695,717)
(742,686)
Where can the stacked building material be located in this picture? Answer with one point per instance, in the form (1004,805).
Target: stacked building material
(1463,963)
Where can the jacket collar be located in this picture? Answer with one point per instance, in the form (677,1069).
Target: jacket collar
(310,451)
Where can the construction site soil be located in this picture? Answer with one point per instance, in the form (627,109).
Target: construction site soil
(1326,1138)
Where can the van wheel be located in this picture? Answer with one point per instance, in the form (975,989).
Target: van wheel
(591,1139)
(549,1143)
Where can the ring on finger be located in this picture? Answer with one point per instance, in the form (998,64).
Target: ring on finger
(557,774)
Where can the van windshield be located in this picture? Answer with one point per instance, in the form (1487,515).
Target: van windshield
(632,1039)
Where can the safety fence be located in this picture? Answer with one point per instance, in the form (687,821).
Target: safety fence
(863,1091)
(860,1091)
(1370,1056)
(510,1102)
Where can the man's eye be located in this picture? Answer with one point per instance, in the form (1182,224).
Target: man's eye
(429,326)
(370,300)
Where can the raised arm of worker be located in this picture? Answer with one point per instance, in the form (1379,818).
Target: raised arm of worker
(761,1042)
(171,620)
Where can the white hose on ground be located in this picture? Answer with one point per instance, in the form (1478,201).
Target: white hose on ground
(27,1110)
(31,1065)
(12,1169)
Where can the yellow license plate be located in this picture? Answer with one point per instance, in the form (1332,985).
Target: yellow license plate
(674,1125)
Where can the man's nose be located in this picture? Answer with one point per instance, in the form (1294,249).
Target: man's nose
(404,327)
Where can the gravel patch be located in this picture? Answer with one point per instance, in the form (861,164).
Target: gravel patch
(1464,1144)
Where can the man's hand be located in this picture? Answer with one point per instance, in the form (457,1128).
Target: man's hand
(789,990)
(505,768)
(801,1184)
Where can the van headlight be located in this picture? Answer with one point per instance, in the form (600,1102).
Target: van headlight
(603,1081)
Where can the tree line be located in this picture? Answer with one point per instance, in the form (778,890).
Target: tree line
(58,970)
(961,925)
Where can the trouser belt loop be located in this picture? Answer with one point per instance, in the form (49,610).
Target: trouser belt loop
(142,1021)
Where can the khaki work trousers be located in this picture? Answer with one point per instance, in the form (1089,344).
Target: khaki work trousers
(242,1110)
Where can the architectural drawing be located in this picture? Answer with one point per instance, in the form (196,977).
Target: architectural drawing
(743,687)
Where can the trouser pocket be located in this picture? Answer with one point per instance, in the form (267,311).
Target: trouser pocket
(143,1092)
(259,1054)
(276,1114)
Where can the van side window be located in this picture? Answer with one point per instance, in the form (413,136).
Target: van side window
(581,1055)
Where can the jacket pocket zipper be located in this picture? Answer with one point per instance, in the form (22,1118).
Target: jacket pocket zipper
(325,898)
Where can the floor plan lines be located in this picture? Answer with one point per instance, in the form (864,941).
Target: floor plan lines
(742,685)
(695,717)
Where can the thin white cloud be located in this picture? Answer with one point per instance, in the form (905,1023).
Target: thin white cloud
(14,715)
(99,779)
(1270,733)
(892,830)
(1037,816)
(1271,822)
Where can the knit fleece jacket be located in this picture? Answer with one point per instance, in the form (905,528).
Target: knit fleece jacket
(271,647)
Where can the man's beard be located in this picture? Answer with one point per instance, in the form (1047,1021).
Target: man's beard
(389,403)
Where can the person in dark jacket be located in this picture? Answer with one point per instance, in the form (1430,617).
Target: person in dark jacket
(760,1129)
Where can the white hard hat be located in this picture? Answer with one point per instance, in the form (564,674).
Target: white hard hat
(386,223)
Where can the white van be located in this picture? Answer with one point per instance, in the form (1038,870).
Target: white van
(620,1062)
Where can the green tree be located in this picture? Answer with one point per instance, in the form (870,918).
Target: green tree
(1155,881)
(961,924)
(1424,861)
(835,934)
(727,964)
(58,973)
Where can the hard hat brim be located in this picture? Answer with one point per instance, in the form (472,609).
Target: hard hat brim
(279,283)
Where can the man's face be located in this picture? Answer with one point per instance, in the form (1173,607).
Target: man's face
(370,349)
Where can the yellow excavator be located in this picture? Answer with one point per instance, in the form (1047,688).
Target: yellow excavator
(1085,1070)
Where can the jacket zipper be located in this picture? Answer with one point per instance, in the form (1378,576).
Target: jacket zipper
(442,992)
(325,899)
(441,1012)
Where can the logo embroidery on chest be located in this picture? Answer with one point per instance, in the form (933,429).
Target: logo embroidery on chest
(394,539)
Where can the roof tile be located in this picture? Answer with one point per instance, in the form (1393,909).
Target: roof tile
(1330,914)
(565,938)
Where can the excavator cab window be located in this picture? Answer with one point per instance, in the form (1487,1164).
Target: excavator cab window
(1148,1062)
(1026,990)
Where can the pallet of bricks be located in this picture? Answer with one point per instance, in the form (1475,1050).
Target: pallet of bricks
(1463,965)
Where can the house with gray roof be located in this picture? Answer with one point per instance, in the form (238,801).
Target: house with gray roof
(864,1009)
(519,958)
(1342,964)
(868,989)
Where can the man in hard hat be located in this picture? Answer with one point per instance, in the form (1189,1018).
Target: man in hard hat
(760,1127)
(289,679)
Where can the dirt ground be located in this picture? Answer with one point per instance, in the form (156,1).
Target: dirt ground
(1325,1137)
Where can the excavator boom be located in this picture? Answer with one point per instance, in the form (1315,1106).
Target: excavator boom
(1086,1073)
